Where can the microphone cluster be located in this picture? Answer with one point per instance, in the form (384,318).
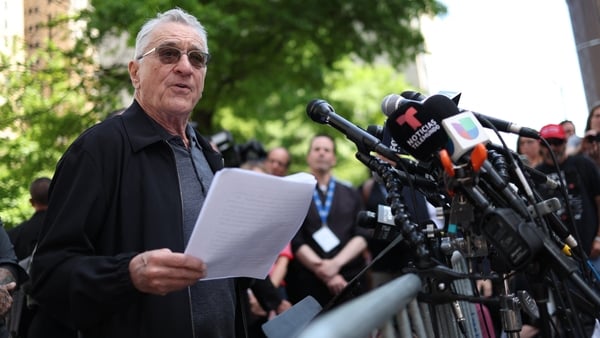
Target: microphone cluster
(452,144)
(486,190)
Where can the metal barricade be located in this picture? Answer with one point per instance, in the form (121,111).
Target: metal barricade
(361,316)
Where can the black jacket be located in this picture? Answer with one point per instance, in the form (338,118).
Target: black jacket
(25,235)
(115,193)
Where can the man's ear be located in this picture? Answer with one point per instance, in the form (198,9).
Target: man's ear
(134,66)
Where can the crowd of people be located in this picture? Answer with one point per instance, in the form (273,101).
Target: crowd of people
(104,247)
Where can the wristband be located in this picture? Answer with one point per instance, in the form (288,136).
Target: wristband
(597,238)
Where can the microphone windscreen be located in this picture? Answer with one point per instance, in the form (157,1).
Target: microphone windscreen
(416,126)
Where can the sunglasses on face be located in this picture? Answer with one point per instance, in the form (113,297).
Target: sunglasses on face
(555,141)
(169,55)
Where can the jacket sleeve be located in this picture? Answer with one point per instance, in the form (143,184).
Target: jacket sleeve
(70,279)
(8,259)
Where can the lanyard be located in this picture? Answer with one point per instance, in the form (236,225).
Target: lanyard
(323,209)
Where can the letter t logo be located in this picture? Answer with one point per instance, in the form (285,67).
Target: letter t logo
(409,117)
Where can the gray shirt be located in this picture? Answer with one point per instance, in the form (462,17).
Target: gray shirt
(212,302)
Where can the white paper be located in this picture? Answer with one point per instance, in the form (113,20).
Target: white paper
(247,219)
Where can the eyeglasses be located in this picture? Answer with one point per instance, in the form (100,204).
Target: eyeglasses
(592,138)
(169,55)
(555,141)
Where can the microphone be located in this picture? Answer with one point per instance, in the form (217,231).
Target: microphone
(463,137)
(539,177)
(416,96)
(459,134)
(535,175)
(506,126)
(411,95)
(434,123)
(416,126)
(322,112)
(464,132)
(460,139)
(504,231)
(486,121)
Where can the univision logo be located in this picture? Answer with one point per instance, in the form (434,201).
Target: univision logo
(466,128)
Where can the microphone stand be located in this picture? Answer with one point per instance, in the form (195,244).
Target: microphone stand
(519,242)
(510,312)
(541,295)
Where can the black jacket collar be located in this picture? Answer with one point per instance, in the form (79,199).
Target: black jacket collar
(143,132)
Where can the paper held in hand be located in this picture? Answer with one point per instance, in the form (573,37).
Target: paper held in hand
(247,219)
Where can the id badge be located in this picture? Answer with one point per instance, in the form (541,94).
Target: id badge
(326,239)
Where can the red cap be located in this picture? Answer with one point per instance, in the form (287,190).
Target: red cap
(553,131)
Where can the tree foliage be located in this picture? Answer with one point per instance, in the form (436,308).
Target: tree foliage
(46,100)
(269,59)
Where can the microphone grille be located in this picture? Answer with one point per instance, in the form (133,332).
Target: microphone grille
(390,103)
(318,110)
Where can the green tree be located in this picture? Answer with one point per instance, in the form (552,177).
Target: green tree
(46,100)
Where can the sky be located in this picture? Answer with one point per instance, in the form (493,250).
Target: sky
(510,59)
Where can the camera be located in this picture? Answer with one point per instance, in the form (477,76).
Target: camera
(236,154)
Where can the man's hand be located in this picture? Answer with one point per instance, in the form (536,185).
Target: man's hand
(162,271)
(326,269)
(255,307)
(284,305)
(6,299)
(336,284)
(7,285)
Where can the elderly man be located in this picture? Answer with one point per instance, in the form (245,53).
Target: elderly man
(124,200)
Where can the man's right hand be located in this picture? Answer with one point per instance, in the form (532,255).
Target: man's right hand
(162,271)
